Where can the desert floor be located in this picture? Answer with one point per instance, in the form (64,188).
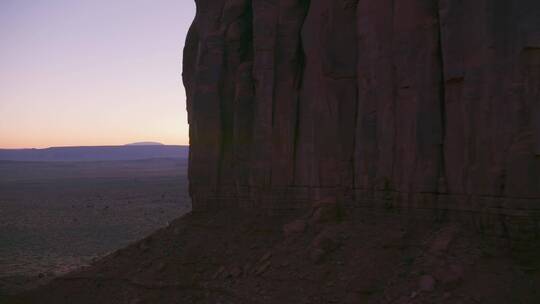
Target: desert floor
(57,216)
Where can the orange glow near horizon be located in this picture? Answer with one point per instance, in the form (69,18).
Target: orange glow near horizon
(41,143)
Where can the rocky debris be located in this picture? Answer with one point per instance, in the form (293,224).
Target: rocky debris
(441,242)
(326,212)
(247,268)
(352,298)
(265,257)
(353,261)
(262,268)
(451,274)
(235,272)
(135,301)
(263,264)
(144,246)
(426,283)
(294,228)
(219,272)
(177,231)
(324,243)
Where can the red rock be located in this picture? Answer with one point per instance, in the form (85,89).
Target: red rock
(326,213)
(294,228)
(352,298)
(442,240)
(371,100)
(236,272)
(450,275)
(324,243)
(265,257)
(219,272)
(426,283)
(263,268)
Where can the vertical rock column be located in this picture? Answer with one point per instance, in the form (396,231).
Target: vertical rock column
(492,63)
(328,100)
(218,43)
(203,75)
(399,134)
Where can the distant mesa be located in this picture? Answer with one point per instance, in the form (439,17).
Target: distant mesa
(146,143)
(136,151)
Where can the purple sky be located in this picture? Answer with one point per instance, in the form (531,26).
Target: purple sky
(92,72)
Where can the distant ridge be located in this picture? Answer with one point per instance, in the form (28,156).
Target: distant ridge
(146,143)
(95,153)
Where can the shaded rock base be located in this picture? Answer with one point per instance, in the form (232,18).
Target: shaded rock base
(328,254)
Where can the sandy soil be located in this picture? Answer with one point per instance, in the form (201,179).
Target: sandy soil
(55,217)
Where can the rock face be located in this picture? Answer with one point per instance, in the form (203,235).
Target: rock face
(415,103)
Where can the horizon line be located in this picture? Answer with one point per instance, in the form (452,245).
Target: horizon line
(97,146)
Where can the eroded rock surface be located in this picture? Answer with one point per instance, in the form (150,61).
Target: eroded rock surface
(416,103)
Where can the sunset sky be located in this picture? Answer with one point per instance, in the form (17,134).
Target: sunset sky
(92,72)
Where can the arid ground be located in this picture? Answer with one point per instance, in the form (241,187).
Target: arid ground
(57,216)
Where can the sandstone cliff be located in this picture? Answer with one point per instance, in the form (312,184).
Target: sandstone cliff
(416,103)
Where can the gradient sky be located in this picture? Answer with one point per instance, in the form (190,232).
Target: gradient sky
(92,72)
